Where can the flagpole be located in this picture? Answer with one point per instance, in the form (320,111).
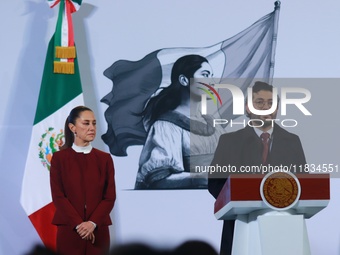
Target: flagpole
(274,41)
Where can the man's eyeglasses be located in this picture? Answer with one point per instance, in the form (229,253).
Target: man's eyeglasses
(261,103)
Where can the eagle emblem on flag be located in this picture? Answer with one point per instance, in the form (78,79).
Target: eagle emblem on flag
(50,142)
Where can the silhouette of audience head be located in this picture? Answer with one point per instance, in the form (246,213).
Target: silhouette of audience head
(135,249)
(40,250)
(195,247)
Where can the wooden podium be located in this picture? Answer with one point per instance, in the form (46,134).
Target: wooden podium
(270,211)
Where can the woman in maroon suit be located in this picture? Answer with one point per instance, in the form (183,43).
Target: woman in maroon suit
(83,188)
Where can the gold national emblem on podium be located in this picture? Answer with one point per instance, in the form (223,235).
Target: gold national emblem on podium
(280,189)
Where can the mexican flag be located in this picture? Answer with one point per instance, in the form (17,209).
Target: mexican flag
(60,92)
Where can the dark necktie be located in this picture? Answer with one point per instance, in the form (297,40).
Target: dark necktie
(265,142)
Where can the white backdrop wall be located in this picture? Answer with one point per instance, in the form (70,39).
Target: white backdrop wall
(106,31)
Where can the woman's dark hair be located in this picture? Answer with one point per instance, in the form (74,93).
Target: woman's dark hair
(71,118)
(170,97)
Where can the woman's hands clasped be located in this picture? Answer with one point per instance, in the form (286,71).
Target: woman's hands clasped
(85,231)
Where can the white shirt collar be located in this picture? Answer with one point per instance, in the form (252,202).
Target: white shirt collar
(86,149)
(259,132)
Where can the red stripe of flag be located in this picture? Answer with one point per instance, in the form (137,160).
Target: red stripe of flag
(42,222)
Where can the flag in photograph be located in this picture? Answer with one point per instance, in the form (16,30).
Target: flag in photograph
(59,94)
(248,55)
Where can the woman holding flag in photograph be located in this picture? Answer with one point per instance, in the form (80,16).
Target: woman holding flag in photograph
(178,135)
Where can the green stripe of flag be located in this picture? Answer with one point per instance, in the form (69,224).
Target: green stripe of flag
(56,89)
(77,1)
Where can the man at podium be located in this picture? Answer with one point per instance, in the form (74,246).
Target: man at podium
(263,143)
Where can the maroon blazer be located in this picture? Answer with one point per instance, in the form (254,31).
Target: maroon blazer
(83,187)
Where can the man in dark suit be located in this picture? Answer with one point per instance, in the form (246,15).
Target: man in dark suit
(248,147)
